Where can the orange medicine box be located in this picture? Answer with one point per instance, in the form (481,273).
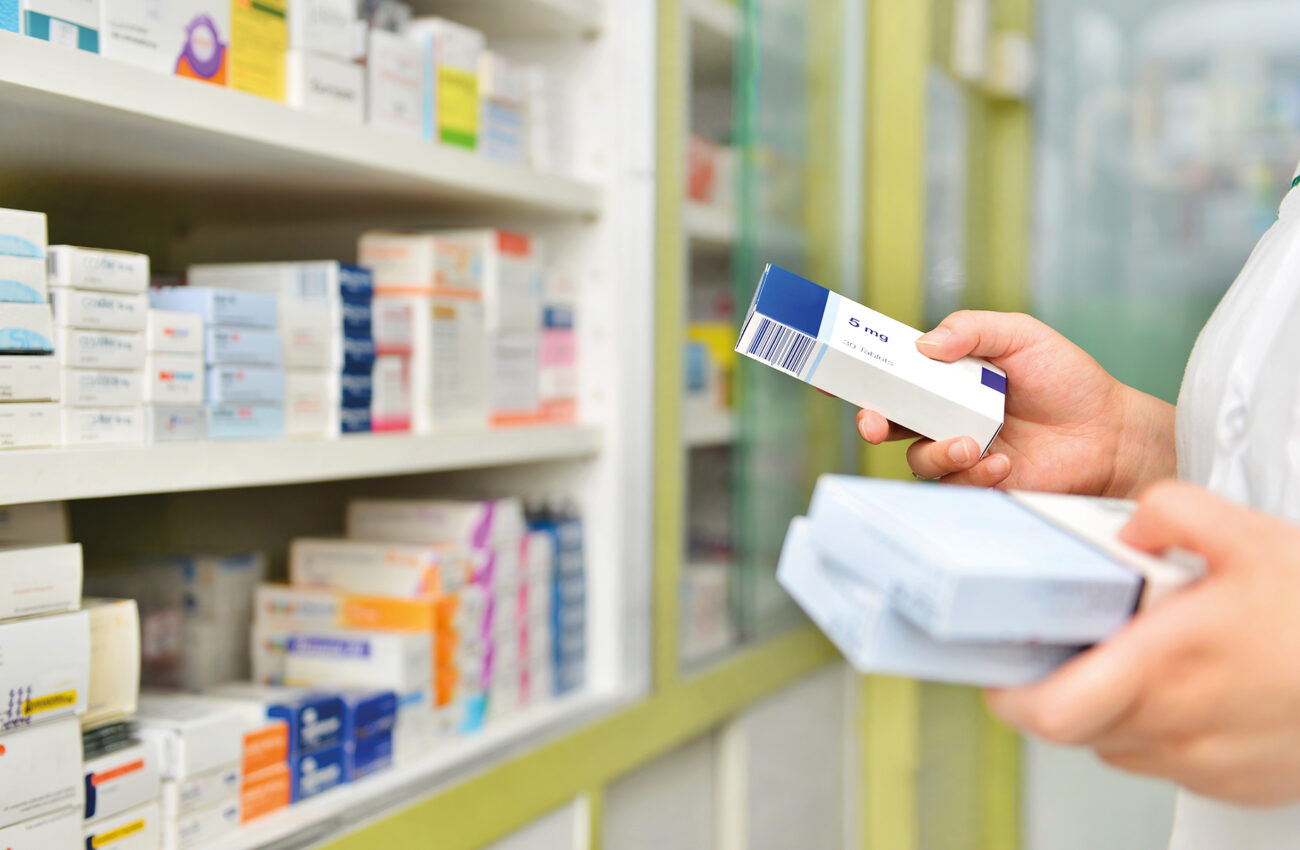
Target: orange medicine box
(264,792)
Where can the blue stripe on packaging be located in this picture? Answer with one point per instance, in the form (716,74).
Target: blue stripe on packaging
(38,26)
(791,300)
(993,380)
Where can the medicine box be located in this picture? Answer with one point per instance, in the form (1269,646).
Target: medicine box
(212,587)
(100,426)
(310,406)
(246,346)
(168,332)
(172,423)
(141,828)
(368,755)
(467,523)
(875,638)
(183,796)
(390,404)
(511,275)
(35,522)
(101,388)
(245,421)
(326,85)
(122,780)
(406,570)
(103,311)
(42,771)
(265,792)
(870,360)
(26,328)
(188,38)
(320,608)
(100,349)
(22,280)
(266,740)
(10,20)
(22,234)
(317,772)
(201,828)
(46,669)
(259,39)
(39,579)
(314,720)
(362,659)
(60,829)
(310,338)
(24,377)
(245,384)
(114,659)
(326,26)
(195,735)
(30,425)
(94,269)
(393,322)
(516,378)
(69,23)
(395,84)
(219,306)
(451,107)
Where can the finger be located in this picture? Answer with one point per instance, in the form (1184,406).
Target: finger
(929,459)
(979,333)
(876,429)
(1176,515)
(989,472)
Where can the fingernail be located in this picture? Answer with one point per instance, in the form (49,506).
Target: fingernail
(959,452)
(999,465)
(936,337)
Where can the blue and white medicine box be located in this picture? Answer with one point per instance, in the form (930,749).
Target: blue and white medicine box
(9,18)
(247,346)
(367,755)
(70,23)
(219,306)
(317,772)
(369,713)
(870,360)
(22,233)
(23,280)
(874,638)
(968,564)
(26,329)
(245,384)
(236,421)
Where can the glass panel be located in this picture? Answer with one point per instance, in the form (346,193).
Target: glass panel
(1168,131)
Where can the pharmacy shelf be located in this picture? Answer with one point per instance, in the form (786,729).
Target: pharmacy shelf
(93,472)
(714,29)
(711,229)
(347,807)
(711,429)
(102,126)
(512,19)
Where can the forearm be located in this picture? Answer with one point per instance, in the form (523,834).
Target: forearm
(1146,447)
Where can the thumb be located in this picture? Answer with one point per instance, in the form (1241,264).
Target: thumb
(1177,515)
(980,333)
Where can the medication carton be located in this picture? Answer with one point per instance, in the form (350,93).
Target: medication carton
(100,349)
(870,360)
(37,579)
(329,27)
(451,105)
(36,522)
(201,828)
(22,234)
(467,523)
(22,280)
(367,755)
(395,84)
(259,42)
(10,20)
(195,735)
(310,409)
(188,38)
(317,772)
(61,829)
(46,672)
(245,384)
(140,828)
(390,406)
(26,329)
(96,269)
(172,423)
(404,570)
(121,780)
(168,332)
(219,306)
(243,346)
(980,565)
(875,638)
(265,792)
(182,796)
(361,659)
(101,311)
(24,377)
(114,659)
(322,608)
(503,89)
(103,426)
(315,720)
(101,388)
(42,771)
(70,23)
(238,421)
(326,85)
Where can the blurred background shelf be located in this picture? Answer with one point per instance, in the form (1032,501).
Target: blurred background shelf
(709,429)
(506,19)
(87,473)
(710,228)
(715,27)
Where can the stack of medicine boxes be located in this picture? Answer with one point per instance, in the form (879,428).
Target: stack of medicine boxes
(174,377)
(326,319)
(29,374)
(44,685)
(394,327)
(95,293)
(274,730)
(245,381)
(201,746)
(503,87)
(451,60)
(394,71)
(569,596)
(326,38)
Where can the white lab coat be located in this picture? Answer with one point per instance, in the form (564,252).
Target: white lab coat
(1239,435)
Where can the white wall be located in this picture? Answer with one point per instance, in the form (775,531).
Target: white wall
(666,805)
(563,829)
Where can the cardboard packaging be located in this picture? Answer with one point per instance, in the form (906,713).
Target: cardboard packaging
(243,346)
(90,349)
(367,755)
(23,280)
(168,332)
(24,377)
(103,426)
(140,828)
(313,720)
(188,38)
(122,780)
(183,796)
(61,829)
(467,523)
(451,105)
(174,423)
(245,384)
(330,27)
(265,792)
(361,659)
(259,40)
(29,426)
(46,671)
(340,287)
(201,827)
(319,608)
(309,407)
(36,579)
(36,522)
(99,270)
(310,338)
(195,735)
(10,20)
(390,406)
(26,329)
(317,772)
(22,234)
(102,311)
(394,326)
(395,84)
(219,306)
(503,89)
(874,638)
(69,23)
(245,421)
(326,85)
(869,360)
(974,565)
(516,378)
(409,571)
(101,388)
(114,660)
(42,771)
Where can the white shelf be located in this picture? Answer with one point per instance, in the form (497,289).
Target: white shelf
(347,807)
(708,430)
(714,31)
(99,125)
(94,472)
(509,19)
(710,228)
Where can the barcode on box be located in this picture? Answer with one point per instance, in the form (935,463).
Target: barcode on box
(779,346)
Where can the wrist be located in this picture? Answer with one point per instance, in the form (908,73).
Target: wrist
(1146,448)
